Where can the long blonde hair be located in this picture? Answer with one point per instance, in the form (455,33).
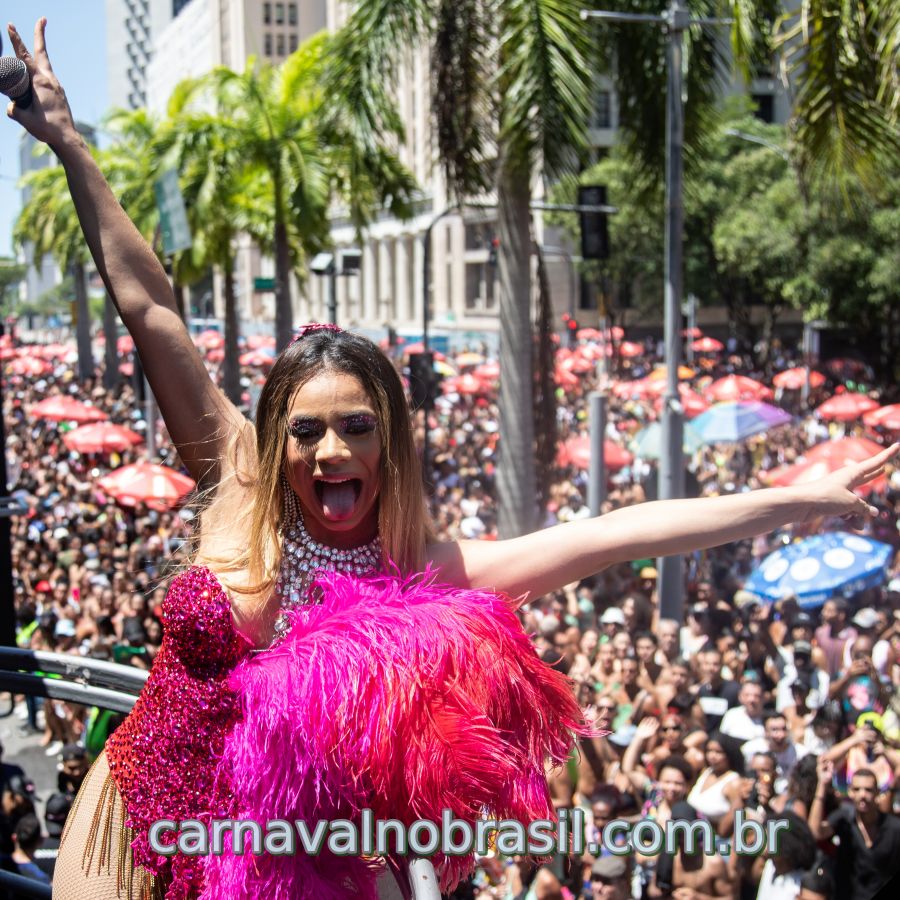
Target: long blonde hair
(403,522)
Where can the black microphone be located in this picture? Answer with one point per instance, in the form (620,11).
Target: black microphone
(15,81)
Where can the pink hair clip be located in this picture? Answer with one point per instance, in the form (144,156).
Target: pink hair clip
(304,330)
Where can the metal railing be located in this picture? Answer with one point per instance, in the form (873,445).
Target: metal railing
(93,682)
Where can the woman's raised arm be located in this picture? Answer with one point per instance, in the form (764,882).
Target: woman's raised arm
(198,416)
(544,561)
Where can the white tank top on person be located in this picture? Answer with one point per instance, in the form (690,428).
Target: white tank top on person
(711,801)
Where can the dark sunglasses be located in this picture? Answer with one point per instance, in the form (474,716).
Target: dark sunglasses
(607,708)
(670,728)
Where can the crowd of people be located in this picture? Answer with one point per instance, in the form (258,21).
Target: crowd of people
(743,710)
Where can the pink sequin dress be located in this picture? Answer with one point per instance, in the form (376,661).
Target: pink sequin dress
(165,756)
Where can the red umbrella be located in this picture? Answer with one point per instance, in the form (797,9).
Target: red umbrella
(101,437)
(125,344)
(794,379)
(417,347)
(8,353)
(490,370)
(209,339)
(845,450)
(127,369)
(846,407)
(826,457)
(576,451)
(66,409)
(692,333)
(29,365)
(577,364)
(258,341)
(566,379)
(49,351)
(735,388)
(691,401)
(159,487)
(589,334)
(216,356)
(256,358)
(887,417)
(615,333)
(629,349)
(465,384)
(707,345)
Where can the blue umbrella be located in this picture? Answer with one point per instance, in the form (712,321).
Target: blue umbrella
(729,422)
(821,567)
(647,443)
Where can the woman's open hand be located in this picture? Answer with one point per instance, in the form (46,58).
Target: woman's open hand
(833,495)
(48,117)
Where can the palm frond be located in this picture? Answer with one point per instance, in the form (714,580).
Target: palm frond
(843,124)
(544,83)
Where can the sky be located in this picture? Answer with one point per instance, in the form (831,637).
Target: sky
(76,44)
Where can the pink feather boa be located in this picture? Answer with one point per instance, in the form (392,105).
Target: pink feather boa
(402,696)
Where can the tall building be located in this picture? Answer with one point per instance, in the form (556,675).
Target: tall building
(132,26)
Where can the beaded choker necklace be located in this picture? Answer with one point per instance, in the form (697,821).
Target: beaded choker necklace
(302,557)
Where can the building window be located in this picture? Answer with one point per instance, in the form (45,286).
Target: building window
(281,45)
(279,14)
(292,13)
(267,13)
(292,42)
(268,44)
(602,117)
(765,107)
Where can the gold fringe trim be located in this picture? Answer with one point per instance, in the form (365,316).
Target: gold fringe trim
(109,836)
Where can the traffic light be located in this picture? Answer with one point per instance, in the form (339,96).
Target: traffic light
(492,252)
(424,382)
(571,324)
(594,231)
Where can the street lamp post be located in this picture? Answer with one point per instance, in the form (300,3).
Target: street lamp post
(428,405)
(675,20)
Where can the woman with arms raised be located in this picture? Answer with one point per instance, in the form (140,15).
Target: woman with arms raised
(328,481)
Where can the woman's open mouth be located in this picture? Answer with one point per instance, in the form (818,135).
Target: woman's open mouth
(338,498)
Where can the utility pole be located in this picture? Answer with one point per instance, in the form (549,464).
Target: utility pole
(675,21)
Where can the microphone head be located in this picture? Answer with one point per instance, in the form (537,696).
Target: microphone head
(14,78)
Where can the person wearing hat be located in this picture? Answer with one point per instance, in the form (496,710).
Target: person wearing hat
(73,769)
(609,879)
(611,622)
(803,668)
(55,814)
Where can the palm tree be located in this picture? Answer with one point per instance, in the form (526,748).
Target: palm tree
(48,221)
(511,95)
(290,139)
(219,197)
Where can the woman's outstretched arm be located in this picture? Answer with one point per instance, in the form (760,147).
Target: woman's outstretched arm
(198,416)
(544,561)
